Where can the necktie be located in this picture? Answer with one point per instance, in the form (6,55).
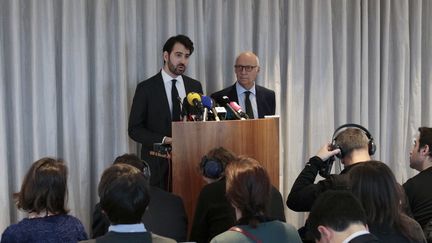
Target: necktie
(249,110)
(175,116)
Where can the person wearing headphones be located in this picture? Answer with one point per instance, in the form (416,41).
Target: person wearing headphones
(353,144)
(213,213)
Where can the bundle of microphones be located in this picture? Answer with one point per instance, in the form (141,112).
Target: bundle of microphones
(196,107)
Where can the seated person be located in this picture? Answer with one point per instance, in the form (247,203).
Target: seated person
(337,216)
(420,196)
(213,213)
(43,197)
(124,196)
(248,189)
(165,214)
(374,184)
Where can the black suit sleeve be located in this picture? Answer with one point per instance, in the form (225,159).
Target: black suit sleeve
(276,210)
(100,222)
(304,191)
(139,119)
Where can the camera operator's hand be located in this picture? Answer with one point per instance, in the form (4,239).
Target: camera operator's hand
(325,152)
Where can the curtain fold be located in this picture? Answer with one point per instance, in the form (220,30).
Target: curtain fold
(68,72)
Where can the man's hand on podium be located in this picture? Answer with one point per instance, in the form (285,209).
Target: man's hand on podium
(167,140)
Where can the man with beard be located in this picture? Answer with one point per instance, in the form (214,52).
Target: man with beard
(157,103)
(418,193)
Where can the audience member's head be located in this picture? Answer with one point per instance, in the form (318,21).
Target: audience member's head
(354,145)
(421,153)
(374,184)
(351,139)
(124,194)
(248,190)
(213,164)
(44,189)
(336,215)
(135,161)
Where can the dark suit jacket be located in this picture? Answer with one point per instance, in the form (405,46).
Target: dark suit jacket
(266,101)
(215,215)
(165,216)
(150,120)
(366,238)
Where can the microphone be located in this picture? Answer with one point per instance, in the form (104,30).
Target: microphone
(194,99)
(185,109)
(208,103)
(238,108)
(226,101)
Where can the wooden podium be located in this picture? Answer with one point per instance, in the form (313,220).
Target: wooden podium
(258,138)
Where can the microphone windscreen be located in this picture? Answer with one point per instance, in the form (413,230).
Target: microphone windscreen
(207,102)
(225,100)
(235,106)
(192,96)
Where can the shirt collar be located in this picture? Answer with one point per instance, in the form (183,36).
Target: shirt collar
(127,228)
(354,235)
(167,78)
(241,90)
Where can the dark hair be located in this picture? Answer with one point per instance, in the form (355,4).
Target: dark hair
(135,161)
(44,187)
(219,154)
(337,210)
(425,138)
(381,196)
(182,39)
(222,154)
(248,189)
(124,194)
(351,139)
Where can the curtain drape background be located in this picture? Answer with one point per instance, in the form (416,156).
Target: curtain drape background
(68,72)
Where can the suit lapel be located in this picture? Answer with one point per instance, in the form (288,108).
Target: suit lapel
(259,99)
(232,94)
(159,91)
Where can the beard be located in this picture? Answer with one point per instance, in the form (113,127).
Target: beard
(178,69)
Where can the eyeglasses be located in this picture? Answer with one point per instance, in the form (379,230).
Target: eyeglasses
(240,68)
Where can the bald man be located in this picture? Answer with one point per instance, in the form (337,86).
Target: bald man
(255,100)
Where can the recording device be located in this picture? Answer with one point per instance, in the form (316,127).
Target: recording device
(238,108)
(221,112)
(325,170)
(211,167)
(162,148)
(231,113)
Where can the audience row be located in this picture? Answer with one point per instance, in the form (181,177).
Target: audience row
(364,203)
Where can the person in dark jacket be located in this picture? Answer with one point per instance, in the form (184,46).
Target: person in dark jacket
(375,186)
(338,216)
(165,214)
(420,196)
(213,213)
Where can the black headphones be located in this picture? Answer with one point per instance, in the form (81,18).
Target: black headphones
(371,144)
(211,168)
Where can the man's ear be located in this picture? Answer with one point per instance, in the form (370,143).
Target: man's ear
(326,233)
(165,56)
(425,149)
